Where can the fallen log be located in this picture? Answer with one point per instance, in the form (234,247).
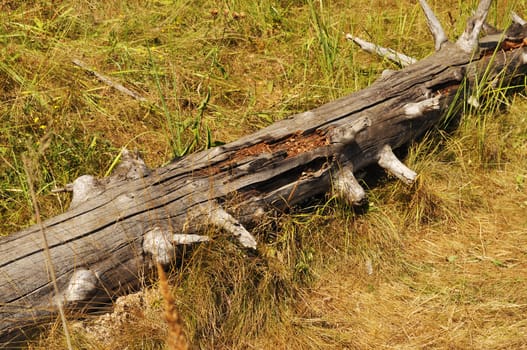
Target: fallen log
(118,227)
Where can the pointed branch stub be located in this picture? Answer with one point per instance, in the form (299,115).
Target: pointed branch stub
(389,161)
(468,41)
(434,25)
(220,218)
(394,56)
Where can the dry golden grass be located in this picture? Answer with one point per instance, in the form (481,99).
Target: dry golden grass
(176,339)
(439,265)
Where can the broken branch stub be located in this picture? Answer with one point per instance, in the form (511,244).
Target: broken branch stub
(389,161)
(218,217)
(418,109)
(102,245)
(346,187)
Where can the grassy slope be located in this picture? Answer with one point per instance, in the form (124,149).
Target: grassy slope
(448,255)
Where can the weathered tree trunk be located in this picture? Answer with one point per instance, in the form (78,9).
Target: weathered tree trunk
(116,227)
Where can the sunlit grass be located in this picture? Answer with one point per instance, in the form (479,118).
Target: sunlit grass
(438,264)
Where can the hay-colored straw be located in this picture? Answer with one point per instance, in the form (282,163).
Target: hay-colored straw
(176,339)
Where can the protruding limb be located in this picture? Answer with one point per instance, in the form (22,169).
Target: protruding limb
(468,41)
(84,187)
(389,161)
(417,109)
(180,238)
(434,25)
(517,19)
(397,57)
(159,244)
(220,218)
(346,186)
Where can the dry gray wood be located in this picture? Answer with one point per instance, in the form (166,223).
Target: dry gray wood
(399,58)
(102,245)
(434,25)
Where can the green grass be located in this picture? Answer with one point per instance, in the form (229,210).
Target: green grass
(446,256)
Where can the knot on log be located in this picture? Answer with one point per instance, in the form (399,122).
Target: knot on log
(346,134)
(83,188)
(82,286)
